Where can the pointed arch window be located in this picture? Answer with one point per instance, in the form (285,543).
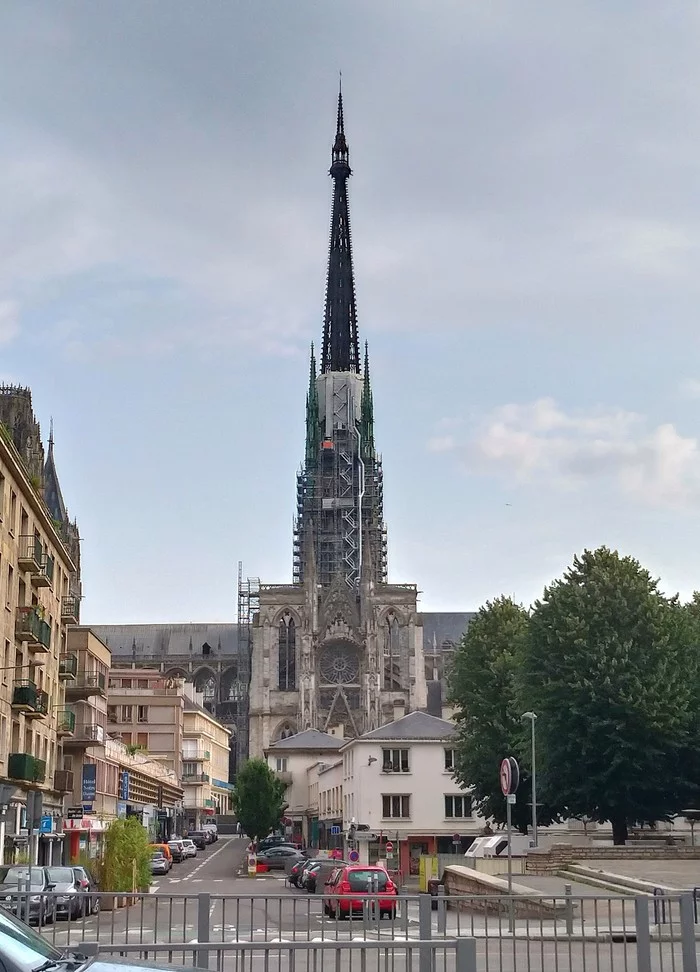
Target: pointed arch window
(392,655)
(287,654)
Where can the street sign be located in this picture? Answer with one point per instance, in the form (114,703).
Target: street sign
(74,813)
(89,782)
(354,856)
(389,847)
(509,775)
(335,831)
(46,824)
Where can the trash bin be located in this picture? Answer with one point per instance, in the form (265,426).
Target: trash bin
(433,885)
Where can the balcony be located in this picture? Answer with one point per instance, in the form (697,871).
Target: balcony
(284,776)
(45,576)
(27,698)
(70,609)
(85,686)
(31,627)
(28,769)
(195,778)
(65,722)
(196,756)
(31,553)
(85,735)
(63,781)
(67,667)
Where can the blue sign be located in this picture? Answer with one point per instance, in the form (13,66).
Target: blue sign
(121,809)
(89,782)
(354,856)
(46,826)
(335,831)
(123,785)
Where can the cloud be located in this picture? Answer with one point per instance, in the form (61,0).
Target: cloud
(690,388)
(9,321)
(540,442)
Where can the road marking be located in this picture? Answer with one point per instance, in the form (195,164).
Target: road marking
(207,860)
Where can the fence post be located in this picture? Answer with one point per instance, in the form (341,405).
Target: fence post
(425,931)
(641,923)
(203,933)
(690,957)
(441,910)
(465,960)
(568,910)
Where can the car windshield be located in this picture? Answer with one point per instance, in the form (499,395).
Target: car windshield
(21,947)
(60,875)
(11,876)
(157,857)
(360,880)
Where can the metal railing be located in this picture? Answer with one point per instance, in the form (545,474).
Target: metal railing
(535,933)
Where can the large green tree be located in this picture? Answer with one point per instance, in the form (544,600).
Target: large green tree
(258,799)
(482,688)
(608,668)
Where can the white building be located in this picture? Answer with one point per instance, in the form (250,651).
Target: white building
(398,784)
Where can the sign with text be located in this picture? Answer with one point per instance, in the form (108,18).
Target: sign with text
(123,785)
(89,782)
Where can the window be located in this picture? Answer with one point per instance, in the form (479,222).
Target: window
(449,759)
(126,683)
(189,769)
(2,496)
(112,713)
(10,584)
(458,806)
(142,739)
(206,649)
(281,764)
(395,761)
(142,683)
(13,512)
(127,715)
(287,654)
(392,655)
(126,738)
(396,806)
(143,713)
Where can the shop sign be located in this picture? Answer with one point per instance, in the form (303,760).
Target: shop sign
(89,782)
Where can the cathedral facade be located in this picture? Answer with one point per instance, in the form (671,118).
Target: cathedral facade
(340,649)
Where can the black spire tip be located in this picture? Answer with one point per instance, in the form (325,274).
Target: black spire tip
(340,165)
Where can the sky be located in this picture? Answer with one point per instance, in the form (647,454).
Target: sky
(526,232)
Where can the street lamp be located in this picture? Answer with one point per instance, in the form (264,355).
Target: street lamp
(532,716)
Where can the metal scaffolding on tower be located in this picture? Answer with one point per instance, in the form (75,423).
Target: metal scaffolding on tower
(248,607)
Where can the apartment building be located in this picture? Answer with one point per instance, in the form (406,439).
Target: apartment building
(164,718)
(37,600)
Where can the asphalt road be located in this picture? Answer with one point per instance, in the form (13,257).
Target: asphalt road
(212,898)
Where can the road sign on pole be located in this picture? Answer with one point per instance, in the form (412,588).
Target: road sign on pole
(509,776)
(389,847)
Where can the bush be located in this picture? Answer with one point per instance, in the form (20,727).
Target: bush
(126,864)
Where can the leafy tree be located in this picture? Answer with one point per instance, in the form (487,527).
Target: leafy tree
(482,687)
(127,857)
(258,799)
(608,668)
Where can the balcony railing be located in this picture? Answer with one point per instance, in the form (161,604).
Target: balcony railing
(31,553)
(196,756)
(31,627)
(86,684)
(70,609)
(45,576)
(22,766)
(195,778)
(65,722)
(63,781)
(67,667)
(85,734)
(27,698)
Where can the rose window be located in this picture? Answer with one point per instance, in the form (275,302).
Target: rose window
(340,665)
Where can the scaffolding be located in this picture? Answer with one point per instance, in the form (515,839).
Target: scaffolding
(248,607)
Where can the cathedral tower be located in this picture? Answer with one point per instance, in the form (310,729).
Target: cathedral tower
(340,649)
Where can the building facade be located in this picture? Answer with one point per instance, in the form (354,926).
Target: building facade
(205,764)
(38,578)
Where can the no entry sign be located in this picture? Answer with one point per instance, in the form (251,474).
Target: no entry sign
(509,775)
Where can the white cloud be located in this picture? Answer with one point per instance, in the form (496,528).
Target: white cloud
(9,321)
(540,442)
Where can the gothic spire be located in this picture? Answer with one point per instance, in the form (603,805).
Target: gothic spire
(52,488)
(312,412)
(367,410)
(340,351)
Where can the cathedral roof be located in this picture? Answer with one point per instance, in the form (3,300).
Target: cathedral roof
(149,641)
(414,726)
(52,487)
(444,629)
(308,739)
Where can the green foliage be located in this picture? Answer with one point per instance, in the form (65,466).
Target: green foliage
(258,799)
(482,686)
(610,668)
(126,842)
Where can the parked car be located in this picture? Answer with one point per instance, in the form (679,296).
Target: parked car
(278,858)
(212,829)
(276,840)
(177,849)
(316,875)
(199,838)
(68,899)
(20,878)
(160,864)
(296,869)
(88,883)
(358,880)
(302,870)
(189,847)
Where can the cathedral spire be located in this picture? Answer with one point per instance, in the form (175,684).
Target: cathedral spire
(367,410)
(312,412)
(340,351)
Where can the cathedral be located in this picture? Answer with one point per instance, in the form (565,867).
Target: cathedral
(340,649)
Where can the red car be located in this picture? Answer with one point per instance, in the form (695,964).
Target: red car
(360,880)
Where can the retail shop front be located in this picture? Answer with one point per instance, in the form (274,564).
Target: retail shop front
(83,836)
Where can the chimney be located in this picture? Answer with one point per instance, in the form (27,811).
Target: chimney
(338,731)
(399,709)
(448,713)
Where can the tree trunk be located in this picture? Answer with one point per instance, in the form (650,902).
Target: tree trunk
(619,829)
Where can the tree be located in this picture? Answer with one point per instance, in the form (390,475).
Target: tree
(126,863)
(607,667)
(482,687)
(258,799)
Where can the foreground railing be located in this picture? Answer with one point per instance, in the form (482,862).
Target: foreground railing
(535,933)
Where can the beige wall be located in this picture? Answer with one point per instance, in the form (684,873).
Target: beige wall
(202,735)
(145,709)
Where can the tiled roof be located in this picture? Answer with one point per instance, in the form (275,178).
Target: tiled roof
(415,725)
(309,739)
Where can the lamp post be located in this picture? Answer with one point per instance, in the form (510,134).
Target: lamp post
(532,717)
